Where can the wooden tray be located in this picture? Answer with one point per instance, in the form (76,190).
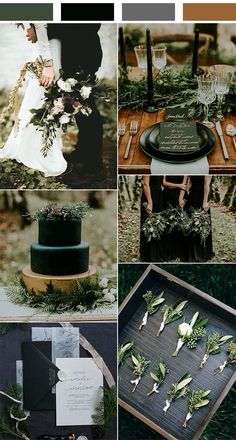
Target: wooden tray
(150,409)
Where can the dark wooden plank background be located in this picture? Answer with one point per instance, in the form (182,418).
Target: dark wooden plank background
(153,348)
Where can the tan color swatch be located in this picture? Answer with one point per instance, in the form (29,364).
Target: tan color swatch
(209,11)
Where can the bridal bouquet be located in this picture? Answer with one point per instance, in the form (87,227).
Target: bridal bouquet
(62,101)
(177,219)
(200,224)
(154,226)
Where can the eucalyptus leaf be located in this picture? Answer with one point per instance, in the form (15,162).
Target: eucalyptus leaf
(181,306)
(194,319)
(135,360)
(202,403)
(162,368)
(183,383)
(225,339)
(201,323)
(154,377)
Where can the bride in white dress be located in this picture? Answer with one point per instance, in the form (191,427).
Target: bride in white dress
(25,144)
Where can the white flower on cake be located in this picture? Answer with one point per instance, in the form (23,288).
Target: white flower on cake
(85,92)
(50,117)
(109,296)
(64,119)
(103,283)
(113,291)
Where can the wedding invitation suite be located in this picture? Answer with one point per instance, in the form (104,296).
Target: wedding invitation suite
(78,392)
(178,136)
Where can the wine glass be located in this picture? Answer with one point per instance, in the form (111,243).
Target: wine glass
(141,57)
(206,95)
(223,75)
(159,57)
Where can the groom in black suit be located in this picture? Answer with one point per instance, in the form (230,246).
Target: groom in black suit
(81,50)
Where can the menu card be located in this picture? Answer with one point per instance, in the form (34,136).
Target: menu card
(178,136)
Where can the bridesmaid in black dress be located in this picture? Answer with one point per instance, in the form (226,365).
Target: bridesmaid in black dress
(152,195)
(175,242)
(199,198)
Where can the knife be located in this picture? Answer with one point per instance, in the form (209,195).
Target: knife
(219,131)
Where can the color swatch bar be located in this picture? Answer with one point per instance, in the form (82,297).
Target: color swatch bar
(26,11)
(148,12)
(209,11)
(87,12)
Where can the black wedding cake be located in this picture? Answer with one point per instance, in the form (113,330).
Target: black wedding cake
(60,257)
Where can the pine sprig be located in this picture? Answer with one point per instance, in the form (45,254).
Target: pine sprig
(172,313)
(213,344)
(152,305)
(105,413)
(140,364)
(158,376)
(198,399)
(124,351)
(70,211)
(231,358)
(190,333)
(178,389)
(12,396)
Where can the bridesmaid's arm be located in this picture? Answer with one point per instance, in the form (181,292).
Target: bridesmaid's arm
(48,73)
(207,181)
(182,200)
(171,185)
(147,192)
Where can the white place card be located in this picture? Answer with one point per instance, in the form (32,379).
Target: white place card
(79,391)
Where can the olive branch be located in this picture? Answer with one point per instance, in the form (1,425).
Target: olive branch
(158,376)
(213,344)
(152,305)
(171,314)
(197,400)
(178,389)
(139,368)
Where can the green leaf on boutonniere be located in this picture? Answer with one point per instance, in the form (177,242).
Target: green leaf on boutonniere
(197,400)
(214,341)
(139,368)
(153,303)
(190,333)
(158,376)
(124,351)
(178,389)
(231,358)
(172,313)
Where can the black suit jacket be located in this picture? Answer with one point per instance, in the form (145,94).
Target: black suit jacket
(81,47)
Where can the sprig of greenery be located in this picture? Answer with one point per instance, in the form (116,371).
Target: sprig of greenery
(152,305)
(172,313)
(197,400)
(16,413)
(70,211)
(158,376)
(178,389)
(214,341)
(124,351)
(140,365)
(105,413)
(231,358)
(190,333)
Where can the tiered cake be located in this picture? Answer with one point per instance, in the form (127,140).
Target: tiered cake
(59,258)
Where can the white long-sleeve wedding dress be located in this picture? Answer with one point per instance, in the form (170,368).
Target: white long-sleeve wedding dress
(25,145)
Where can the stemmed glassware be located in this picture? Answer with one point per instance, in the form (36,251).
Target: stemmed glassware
(223,75)
(141,56)
(206,95)
(159,57)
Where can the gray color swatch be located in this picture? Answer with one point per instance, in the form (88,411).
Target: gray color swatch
(148,12)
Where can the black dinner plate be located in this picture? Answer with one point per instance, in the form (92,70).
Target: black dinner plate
(149,141)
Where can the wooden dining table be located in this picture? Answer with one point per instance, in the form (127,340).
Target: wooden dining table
(139,162)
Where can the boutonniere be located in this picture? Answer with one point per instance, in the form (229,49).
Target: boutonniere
(197,400)
(178,389)
(158,376)
(190,333)
(139,368)
(153,303)
(124,351)
(231,358)
(171,314)
(214,341)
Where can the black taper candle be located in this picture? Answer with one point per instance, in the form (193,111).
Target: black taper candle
(122,49)
(195,69)
(149,106)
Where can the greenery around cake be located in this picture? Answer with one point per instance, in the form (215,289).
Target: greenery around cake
(53,212)
(88,295)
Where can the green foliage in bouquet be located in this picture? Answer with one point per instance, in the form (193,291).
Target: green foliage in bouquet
(105,413)
(177,218)
(154,226)
(70,211)
(200,224)
(172,88)
(87,295)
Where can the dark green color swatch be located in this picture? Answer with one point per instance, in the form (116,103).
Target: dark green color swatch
(26,12)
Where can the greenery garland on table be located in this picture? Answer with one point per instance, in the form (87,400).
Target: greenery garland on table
(86,296)
(172,88)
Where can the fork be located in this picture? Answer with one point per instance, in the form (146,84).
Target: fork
(133,130)
(121,131)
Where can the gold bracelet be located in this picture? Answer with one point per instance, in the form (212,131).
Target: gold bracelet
(48,63)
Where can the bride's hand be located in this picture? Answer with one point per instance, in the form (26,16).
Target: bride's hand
(31,34)
(149,208)
(48,76)
(206,206)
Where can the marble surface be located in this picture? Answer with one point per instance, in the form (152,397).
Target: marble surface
(10,312)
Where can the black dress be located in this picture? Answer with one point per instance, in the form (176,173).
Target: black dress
(197,252)
(152,251)
(176,243)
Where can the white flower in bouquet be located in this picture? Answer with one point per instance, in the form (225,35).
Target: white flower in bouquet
(50,117)
(86,111)
(64,119)
(71,81)
(58,106)
(113,291)
(103,283)
(85,91)
(64,85)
